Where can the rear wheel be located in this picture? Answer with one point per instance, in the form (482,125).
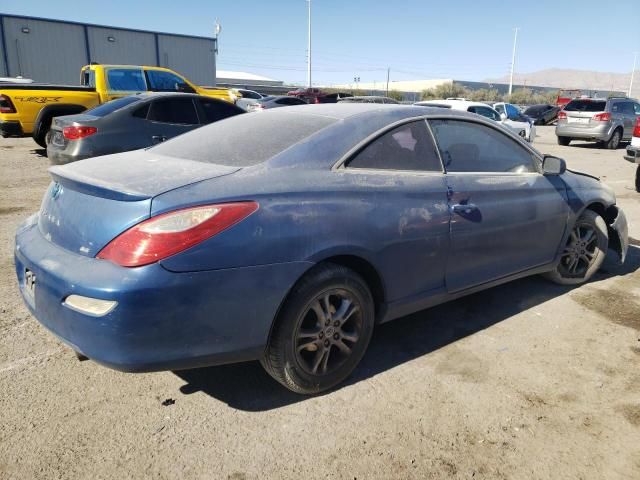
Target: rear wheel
(614,141)
(564,141)
(322,332)
(584,251)
(41,133)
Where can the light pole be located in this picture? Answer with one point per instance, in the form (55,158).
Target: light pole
(633,70)
(309,45)
(513,61)
(217,28)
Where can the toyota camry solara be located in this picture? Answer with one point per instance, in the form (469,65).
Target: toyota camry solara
(286,236)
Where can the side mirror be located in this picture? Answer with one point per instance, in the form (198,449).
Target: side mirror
(503,116)
(553,165)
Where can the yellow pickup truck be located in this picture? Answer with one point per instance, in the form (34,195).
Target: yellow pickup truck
(27,109)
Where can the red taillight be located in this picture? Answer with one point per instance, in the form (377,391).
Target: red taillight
(74,133)
(562,115)
(167,234)
(602,117)
(636,129)
(6,105)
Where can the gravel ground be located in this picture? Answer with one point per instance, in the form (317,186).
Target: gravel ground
(524,381)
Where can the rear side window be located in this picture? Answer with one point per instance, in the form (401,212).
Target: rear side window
(407,147)
(112,106)
(485,112)
(586,106)
(214,111)
(174,110)
(161,81)
(142,112)
(126,80)
(225,143)
(471,147)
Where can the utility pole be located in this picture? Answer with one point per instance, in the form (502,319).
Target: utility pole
(513,61)
(216,31)
(309,46)
(633,70)
(388,70)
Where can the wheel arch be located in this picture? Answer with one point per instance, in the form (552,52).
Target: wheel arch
(609,214)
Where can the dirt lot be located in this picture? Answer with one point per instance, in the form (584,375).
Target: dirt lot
(524,381)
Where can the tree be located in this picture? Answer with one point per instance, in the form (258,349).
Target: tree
(396,95)
(445,90)
(485,95)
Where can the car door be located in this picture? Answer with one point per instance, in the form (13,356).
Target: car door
(170,117)
(506,216)
(399,175)
(629,118)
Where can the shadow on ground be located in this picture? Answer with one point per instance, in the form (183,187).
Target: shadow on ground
(246,386)
(39,152)
(596,145)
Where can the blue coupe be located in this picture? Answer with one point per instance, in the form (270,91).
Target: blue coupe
(290,248)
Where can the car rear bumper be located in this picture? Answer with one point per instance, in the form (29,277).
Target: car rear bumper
(61,157)
(601,133)
(11,129)
(633,154)
(163,320)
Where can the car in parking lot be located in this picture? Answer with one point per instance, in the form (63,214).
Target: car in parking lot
(130,123)
(274,101)
(542,114)
(368,99)
(607,121)
(512,116)
(246,97)
(482,109)
(209,250)
(633,152)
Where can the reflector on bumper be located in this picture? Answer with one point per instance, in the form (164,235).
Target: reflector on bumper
(90,306)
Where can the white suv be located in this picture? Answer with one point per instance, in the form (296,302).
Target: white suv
(524,129)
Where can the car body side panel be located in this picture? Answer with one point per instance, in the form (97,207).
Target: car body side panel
(398,222)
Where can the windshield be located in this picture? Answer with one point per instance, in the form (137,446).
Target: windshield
(586,106)
(226,142)
(112,106)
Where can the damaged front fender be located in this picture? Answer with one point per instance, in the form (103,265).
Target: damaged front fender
(618,233)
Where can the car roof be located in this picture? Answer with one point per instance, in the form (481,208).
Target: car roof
(455,104)
(152,95)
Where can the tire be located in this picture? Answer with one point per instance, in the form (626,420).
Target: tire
(589,249)
(41,133)
(638,179)
(614,142)
(564,141)
(306,352)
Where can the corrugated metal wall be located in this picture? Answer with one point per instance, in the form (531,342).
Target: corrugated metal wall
(45,51)
(192,57)
(121,46)
(53,51)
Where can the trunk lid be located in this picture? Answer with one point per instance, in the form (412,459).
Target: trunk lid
(92,201)
(580,113)
(57,139)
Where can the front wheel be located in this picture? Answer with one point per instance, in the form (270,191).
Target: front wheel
(584,251)
(322,331)
(564,141)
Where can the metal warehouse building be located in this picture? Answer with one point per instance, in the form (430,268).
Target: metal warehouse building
(53,51)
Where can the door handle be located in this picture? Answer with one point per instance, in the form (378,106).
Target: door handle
(465,208)
(158,138)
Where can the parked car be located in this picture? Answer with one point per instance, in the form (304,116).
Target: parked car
(130,123)
(274,102)
(309,95)
(27,109)
(478,108)
(246,97)
(633,152)
(333,97)
(208,250)
(368,99)
(511,115)
(542,114)
(605,121)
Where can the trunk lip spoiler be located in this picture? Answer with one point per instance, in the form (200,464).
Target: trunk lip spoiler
(88,185)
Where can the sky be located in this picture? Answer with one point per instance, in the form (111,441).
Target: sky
(415,39)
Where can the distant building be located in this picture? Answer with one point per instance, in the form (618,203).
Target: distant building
(53,51)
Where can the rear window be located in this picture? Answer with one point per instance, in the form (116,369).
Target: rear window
(228,143)
(586,106)
(537,110)
(112,106)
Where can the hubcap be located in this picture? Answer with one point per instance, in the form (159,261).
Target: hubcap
(580,251)
(329,329)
